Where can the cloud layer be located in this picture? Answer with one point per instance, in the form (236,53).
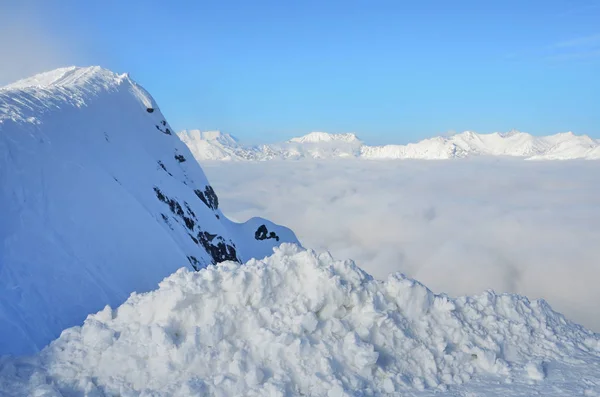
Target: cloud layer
(458,226)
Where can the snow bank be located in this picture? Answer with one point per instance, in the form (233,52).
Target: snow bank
(298,323)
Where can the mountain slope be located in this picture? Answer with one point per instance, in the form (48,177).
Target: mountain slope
(99,198)
(300,324)
(322,145)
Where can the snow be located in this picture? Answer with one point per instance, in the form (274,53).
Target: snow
(301,323)
(98,199)
(321,145)
(72,76)
(316,137)
(216,145)
(535,370)
(212,145)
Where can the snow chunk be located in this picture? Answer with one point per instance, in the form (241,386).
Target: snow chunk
(535,370)
(297,323)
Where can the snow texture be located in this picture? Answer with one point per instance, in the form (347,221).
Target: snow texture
(320,145)
(98,199)
(298,323)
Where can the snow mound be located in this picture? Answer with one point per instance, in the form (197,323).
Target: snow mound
(98,198)
(298,323)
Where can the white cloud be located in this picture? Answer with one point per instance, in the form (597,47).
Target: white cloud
(458,226)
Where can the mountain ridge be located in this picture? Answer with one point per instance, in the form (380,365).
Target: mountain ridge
(99,199)
(321,145)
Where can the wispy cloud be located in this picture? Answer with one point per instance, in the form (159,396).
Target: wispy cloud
(580,42)
(578,10)
(460,227)
(578,48)
(575,56)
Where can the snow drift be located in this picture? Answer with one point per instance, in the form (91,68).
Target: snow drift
(298,323)
(98,198)
(321,145)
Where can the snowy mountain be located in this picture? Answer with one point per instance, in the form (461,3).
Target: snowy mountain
(561,146)
(302,324)
(215,145)
(212,145)
(319,137)
(99,198)
(100,201)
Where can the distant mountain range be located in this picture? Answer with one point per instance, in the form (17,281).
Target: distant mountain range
(215,145)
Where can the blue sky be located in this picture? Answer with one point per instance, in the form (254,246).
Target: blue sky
(391,71)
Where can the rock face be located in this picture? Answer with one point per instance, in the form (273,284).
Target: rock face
(98,199)
(214,145)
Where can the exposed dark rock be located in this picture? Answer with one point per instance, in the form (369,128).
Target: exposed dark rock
(163,167)
(194,239)
(209,236)
(167,221)
(189,210)
(208,197)
(180,158)
(221,251)
(216,246)
(194,262)
(166,131)
(149,110)
(175,208)
(263,234)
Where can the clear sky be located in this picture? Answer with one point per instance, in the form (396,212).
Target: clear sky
(391,71)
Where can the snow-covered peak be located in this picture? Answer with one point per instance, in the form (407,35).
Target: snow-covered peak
(316,137)
(99,198)
(569,136)
(208,135)
(71,76)
(511,133)
(465,144)
(214,145)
